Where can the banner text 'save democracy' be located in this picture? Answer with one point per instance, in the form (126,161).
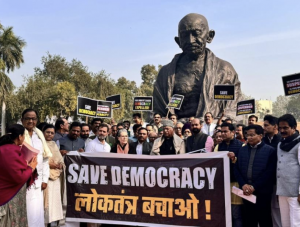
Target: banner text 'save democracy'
(177,190)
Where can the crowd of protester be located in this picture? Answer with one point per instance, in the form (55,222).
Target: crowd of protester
(264,161)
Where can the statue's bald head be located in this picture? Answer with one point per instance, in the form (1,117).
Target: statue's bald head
(192,21)
(193,34)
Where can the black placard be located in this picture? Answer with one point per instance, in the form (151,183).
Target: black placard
(143,103)
(86,107)
(104,109)
(176,102)
(224,92)
(116,101)
(245,107)
(291,84)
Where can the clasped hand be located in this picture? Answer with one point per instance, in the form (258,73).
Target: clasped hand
(248,189)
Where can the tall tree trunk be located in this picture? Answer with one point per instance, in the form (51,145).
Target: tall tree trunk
(3,122)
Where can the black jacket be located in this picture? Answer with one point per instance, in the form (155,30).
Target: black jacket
(195,142)
(274,142)
(234,147)
(264,167)
(146,148)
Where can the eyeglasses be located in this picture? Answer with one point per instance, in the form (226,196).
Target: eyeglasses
(124,137)
(152,137)
(30,118)
(178,128)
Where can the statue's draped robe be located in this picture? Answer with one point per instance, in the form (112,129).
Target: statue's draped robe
(217,71)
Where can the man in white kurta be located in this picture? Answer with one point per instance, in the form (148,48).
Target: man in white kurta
(208,127)
(34,195)
(97,145)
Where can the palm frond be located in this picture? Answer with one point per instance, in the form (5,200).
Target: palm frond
(6,86)
(11,49)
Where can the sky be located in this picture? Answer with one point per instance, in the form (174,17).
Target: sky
(259,38)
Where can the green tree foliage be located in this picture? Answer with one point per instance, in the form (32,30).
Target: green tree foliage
(149,74)
(280,105)
(128,90)
(64,95)
(6,86)
(293,106)
(2,65)
(54,87)
(11,48)
(11,57)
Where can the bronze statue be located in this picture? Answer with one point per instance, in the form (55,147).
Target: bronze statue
(194,72)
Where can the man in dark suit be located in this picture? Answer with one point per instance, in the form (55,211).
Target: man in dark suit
(141,147)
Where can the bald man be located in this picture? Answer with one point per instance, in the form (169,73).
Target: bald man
(152,136)
(194,72)
(198,140)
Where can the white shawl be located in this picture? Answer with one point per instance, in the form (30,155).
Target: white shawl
(47,153)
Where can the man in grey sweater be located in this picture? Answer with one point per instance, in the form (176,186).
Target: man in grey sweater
(288,171)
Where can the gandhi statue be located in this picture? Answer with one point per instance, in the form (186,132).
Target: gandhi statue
(194,72)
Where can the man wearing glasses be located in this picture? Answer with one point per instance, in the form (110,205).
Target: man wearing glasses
(178,129)
(255,172)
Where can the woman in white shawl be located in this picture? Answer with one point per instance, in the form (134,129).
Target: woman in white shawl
(34,195)
(52,194)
